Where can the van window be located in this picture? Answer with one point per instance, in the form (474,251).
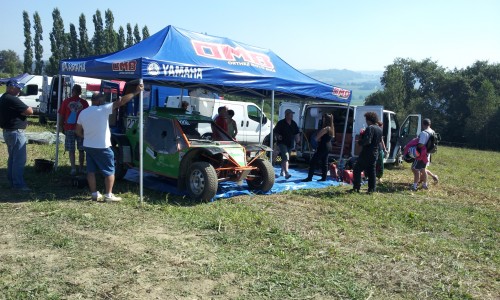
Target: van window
(254,113)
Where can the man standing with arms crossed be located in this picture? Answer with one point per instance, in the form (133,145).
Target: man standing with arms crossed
(69,111)
(13,113)
(93,126)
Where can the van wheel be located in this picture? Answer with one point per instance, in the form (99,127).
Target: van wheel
(262,178)
(42,120)
(201,181)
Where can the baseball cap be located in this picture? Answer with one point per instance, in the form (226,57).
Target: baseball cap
(15,83)
(289,111)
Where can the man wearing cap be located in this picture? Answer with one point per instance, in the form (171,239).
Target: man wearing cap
(286,132)
(13,113)
(93,127)
(69,111)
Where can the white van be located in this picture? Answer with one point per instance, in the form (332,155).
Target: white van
(50,89)
(31,91)
(395,134)
(248,116)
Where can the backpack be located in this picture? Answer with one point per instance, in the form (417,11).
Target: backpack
(432,143)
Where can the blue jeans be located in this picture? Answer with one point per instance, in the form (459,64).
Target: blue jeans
(16,147)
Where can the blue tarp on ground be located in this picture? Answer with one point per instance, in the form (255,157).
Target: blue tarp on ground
(231,189)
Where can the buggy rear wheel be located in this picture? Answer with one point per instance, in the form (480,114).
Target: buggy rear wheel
(262,178)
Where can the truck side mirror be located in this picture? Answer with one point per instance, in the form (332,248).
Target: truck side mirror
(31,89)
(264,120)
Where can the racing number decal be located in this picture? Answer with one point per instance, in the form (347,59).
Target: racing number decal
(131,123)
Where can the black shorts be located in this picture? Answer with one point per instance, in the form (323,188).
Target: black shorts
(418,165)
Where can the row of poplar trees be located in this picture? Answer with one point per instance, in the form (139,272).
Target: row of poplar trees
(74,44)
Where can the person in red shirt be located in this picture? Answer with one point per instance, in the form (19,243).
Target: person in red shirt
(68,115)
(220,120)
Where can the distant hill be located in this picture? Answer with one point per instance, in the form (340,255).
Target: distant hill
(362,83)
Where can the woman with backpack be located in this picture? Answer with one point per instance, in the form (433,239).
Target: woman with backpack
(419,166)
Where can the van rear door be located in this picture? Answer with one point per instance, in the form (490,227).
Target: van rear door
(410,129)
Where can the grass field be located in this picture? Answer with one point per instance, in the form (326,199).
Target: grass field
(310,244)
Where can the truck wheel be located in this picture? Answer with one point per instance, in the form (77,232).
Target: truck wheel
(120,167)
(201,181)
(262,178)
(42,120)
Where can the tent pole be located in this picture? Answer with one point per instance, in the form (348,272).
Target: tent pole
(261,117)
(345,130)
(141,145)
(271,137)
(59,96)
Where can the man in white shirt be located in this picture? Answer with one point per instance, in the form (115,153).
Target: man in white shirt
(93,126)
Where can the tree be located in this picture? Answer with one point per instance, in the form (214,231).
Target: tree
(98,39)
(110,36)
(10,64)
(130,37)
(482,107)
(28,44)
(37,43)
(120,43)
(73,41)
(58,43)
(145,32)
(84,46)
(137,34)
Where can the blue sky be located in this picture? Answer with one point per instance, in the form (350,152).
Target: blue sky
(360,35)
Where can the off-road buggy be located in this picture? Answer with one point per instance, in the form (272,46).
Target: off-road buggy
(193,150)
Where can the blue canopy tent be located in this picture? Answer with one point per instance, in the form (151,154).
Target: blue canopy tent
(17,78)
(190,60)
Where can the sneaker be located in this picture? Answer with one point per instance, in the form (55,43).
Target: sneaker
(97,197)
(112,198)
(282,173)
(425,187)
(73,172)
(288,175)
(414,187)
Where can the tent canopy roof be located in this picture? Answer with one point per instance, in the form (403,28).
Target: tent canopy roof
(186,59)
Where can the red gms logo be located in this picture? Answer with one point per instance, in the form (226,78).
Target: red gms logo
(341,93)
(125,66)
(234,56)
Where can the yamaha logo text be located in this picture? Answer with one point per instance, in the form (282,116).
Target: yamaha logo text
(73,67)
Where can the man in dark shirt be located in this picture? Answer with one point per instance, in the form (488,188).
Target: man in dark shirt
(13,121)
(367,160)
(286,132)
